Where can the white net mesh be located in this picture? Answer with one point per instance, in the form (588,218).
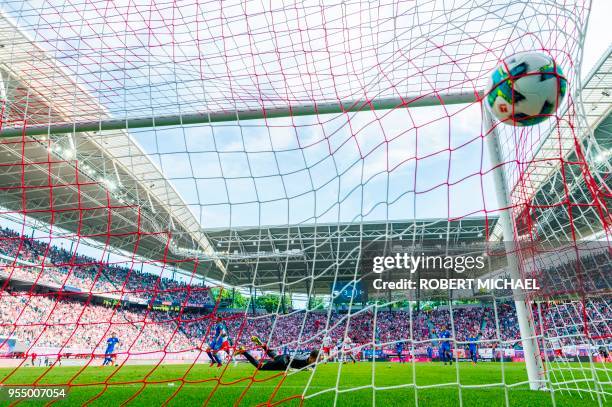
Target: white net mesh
(168,163)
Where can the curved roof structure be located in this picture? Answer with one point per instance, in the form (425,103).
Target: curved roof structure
(102,185)
(91,184)
(549,181)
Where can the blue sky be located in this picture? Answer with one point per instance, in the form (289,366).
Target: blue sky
(286,175)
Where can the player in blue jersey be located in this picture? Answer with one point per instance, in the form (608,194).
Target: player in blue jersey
(399,349)
(109,353)
(473,347)
(430,353)
(445,346)
(219,342)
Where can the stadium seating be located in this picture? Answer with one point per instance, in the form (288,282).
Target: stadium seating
(53,318)
(90,275)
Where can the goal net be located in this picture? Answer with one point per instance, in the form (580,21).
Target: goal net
(177,177)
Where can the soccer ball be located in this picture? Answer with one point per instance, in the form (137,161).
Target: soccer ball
(525,89)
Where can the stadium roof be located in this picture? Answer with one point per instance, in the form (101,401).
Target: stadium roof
(296,254)
(549,181)
(112,197)
(114,172)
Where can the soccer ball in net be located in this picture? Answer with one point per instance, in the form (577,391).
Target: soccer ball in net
(526,88)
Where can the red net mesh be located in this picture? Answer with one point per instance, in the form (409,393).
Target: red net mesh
(159,233)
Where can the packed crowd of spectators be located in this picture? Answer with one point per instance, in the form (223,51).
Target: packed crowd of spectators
(58,266)
(569,320)
(42,319)
(590,274)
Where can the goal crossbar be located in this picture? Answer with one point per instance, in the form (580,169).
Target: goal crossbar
(243,115)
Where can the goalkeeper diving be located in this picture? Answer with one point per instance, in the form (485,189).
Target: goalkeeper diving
(279,362)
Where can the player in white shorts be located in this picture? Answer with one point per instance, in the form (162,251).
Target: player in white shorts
(347,350)
(327,344)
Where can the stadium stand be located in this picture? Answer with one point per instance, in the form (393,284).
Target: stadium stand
(87,274)
(58,320)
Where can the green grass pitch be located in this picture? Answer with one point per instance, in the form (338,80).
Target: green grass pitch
(152,386)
